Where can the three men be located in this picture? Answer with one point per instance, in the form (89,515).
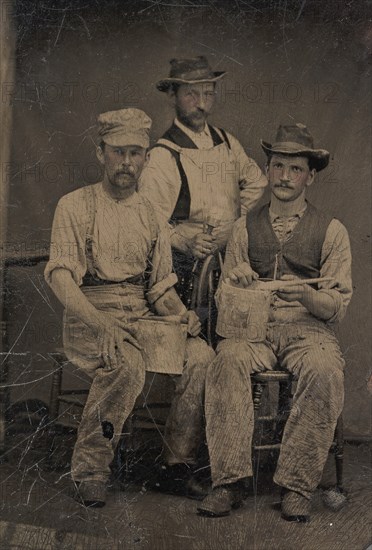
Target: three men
(285,239)
(198,177)
(110,263)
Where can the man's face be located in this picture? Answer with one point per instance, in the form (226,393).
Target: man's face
(289,176)
(123,165)
(193,103)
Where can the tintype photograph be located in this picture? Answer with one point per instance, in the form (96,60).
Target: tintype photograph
(185,275)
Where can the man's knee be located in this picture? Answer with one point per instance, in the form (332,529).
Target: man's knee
(232,366)
(324,367)
(235,354)
(129,367)
(198,352)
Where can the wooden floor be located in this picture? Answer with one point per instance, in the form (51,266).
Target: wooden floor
(38,513)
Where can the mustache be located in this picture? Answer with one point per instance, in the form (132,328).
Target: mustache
(125,172)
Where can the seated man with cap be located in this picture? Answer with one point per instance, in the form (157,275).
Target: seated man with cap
(287,239)
(198,176)
(110,262)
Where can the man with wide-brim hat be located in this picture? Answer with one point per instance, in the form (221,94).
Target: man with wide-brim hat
(296,140)
(287,239)
(198,177)
(189,71)
(110,264)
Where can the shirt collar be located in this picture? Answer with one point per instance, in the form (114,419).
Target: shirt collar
(298,209)
(130,201)
(295,214)
(190,133)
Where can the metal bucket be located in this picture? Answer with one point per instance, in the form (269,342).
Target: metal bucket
(163,342)
(243,312)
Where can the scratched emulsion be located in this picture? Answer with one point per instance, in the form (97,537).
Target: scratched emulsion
(286,61)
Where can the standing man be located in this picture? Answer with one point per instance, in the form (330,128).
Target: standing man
(198,176)
(285,239)
(110,262)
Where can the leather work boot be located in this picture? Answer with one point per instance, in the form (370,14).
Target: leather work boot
(221,501)
(91,493)
(295,507)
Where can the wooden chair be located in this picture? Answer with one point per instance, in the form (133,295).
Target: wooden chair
(202,297)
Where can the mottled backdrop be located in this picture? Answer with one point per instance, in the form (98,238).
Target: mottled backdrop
(286,60)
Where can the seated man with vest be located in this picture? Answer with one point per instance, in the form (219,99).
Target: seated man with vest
(286,239)
(199,177)
(110,264)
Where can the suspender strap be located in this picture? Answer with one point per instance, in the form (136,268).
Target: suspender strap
(224,135)
(91,278)
(178,137)
(174,140)
(216,138)
(90,199)
(182,208)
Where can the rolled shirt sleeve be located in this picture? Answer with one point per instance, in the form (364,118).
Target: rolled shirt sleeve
(67,247)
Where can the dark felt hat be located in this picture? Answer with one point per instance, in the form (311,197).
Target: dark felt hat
(296,140)
(195,70)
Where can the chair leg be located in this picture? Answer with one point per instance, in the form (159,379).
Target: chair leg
(56,366)
(339,452)
(56,387)
(257,391)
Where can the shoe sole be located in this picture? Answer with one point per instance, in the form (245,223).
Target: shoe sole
(210,514)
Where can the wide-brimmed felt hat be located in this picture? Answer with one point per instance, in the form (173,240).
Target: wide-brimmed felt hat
(125,127)
(296,140)
(195,70)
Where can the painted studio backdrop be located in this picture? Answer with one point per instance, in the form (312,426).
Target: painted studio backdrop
(286,62)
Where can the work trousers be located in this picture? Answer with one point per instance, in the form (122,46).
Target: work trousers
(114,389)
(312,354)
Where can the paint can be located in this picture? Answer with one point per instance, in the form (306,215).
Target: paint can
(163,342)
(243,313)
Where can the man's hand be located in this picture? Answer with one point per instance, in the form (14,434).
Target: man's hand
(202,245)
(295,293)
(193,323)
(111,334)
(243,275)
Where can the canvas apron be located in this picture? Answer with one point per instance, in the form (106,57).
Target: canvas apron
(213,180)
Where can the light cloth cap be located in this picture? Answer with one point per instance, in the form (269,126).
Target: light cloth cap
(125,127)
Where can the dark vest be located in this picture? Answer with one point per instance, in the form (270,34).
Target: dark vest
(300,255)
(178,137)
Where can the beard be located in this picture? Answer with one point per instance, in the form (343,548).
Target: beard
(191,119)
